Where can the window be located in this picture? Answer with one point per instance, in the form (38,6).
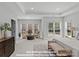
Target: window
(32,29)
(70,29)
(57,27)
(54,28)
(50,27)
(69,32)
(23,27)
(36,28)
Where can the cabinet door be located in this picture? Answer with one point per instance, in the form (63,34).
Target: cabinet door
(1,50)
(8,51)
(9,47)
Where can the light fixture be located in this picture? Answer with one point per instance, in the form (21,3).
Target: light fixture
(57,9)
(32,8)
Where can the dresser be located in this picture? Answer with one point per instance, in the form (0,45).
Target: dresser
(7,46)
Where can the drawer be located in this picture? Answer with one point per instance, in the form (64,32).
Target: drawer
(1,45)
(1,52)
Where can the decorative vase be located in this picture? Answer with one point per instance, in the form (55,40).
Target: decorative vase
(7,34)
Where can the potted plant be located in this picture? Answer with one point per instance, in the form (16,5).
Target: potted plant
(1,29)
(7,30)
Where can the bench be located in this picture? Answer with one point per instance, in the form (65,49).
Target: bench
(64,53)
(59,50)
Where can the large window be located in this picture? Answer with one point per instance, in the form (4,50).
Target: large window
(30,29)
(54,27)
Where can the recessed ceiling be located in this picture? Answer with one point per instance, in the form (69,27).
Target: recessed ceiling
(46,7)
(42,8)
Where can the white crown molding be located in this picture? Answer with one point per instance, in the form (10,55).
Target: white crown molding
(71,10)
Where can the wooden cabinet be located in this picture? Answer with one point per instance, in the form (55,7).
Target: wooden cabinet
(7,47)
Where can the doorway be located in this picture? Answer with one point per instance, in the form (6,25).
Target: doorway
(30,28)
(13,26)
